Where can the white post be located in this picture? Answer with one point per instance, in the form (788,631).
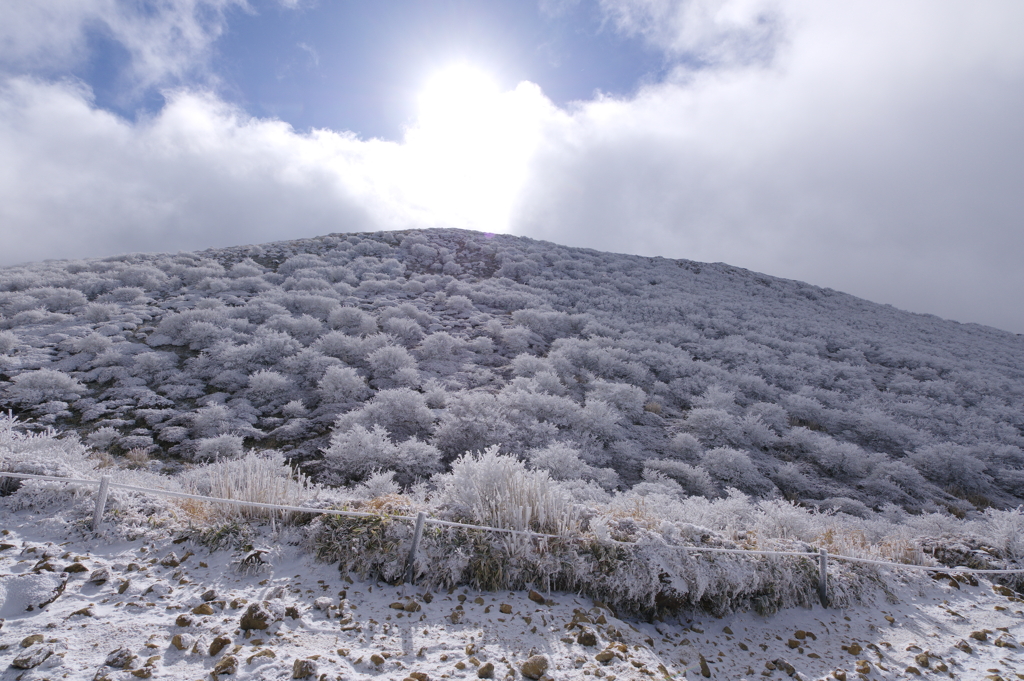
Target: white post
(823,577)
(101,502)
(410,571)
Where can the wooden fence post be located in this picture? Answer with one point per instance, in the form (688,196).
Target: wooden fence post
(410,570)
(101,502)
(823,577)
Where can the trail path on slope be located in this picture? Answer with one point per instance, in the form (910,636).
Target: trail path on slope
(342,628)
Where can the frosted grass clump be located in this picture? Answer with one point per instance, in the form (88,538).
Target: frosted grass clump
(260,477)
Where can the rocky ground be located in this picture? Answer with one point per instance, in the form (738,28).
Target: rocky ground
(81,608)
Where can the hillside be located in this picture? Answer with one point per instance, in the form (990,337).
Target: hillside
(400,351)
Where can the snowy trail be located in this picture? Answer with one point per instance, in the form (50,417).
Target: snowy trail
(363,629)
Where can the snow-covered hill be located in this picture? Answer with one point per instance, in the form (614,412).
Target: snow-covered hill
(403,350)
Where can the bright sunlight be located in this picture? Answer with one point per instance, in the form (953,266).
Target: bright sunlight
(470,146)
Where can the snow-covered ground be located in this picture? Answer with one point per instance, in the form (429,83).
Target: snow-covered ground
(348,628)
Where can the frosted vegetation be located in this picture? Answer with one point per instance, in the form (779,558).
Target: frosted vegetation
(605,386)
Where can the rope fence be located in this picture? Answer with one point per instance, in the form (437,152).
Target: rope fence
(421,519)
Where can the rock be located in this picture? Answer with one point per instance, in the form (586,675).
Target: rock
(209,595)
(419,676)
(586,637)
(784,666)
(84,612)
(604,657)
(75,568)
(505,609)
(266,652)
(376,659)
(183,621)
(705,670)
(800,634)
(227,665)
(412,606)
(913,670)
(979,635)
(143,672)
(793,643)
(727,631)
(862,667)
(218,645)
(182,641)
(853,649)
(30,640)
(323,603)
(1003,591)
(303,669)
(121,658)
(170,560)
(1005,641)
(890,619)
(123,586)
(293,612)
(839,675)
(963,646)
(31,658)
(397,605)
(536,597)
(256,616)
(534,667)
(204,609)
(100,576)
(922,660)
(485,671)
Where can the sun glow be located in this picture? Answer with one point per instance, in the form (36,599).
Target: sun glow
(470,147)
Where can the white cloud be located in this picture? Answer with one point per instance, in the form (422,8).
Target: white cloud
(878,152)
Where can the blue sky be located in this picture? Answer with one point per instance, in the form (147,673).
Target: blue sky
(873,148)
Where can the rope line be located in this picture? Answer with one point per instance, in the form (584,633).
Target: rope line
(449,523)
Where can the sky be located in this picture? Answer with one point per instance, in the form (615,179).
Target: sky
(873,147)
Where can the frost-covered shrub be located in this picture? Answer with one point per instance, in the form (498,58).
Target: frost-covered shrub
(733,468)
(628,399)
(267,386)
(356,453)
(715,427)
(218,447)
(261,477)
(43,385)
(8,341)
(342,385)
(407,331)
(401,411)
(895,482)
(693,480)
(492,489)
(952,467)
(352,321)
(562,461)
(387,361)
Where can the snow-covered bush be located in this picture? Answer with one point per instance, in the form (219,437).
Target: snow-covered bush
(342,385)
(733,468)
(43,385)
(218,447)
(355,454)
(401,411)
(562,461)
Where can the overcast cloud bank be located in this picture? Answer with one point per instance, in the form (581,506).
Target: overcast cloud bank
(874,150)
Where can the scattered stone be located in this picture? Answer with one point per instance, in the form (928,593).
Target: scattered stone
(218,645)
(862,667)
(182,641)
(397,605)
(123,586)
(890,619)
(170,560)
(913,670)
(705,670)
(209,595)
(963,646)
(203,609)
(979,635)
(535,597)
(505,609)
(727,630)
(922,660)
(31,658)
(122,658)
(183,621)
(84,612)
(853,649)
(30,640)
(303,669)
(1005,641)
(412,606)
(793,643)
(376,659)
(143,672)
(266,652)
(256,616)
(75,568)
(323,603)
(227,665)
(100,575)
(485,671)
(534,667)
(1003,591)
(419,676)
(784,666)
(839,675)
(587,638)
(604,657)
